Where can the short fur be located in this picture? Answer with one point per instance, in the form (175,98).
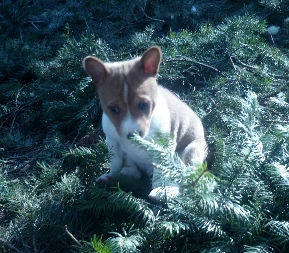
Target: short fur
(133,102)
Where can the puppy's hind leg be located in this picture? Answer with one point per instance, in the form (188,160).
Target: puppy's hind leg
(130,169)
(195,153)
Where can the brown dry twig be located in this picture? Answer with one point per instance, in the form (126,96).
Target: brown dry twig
(72,236)
(186,59)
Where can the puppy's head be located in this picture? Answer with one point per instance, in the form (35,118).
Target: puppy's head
(127,90)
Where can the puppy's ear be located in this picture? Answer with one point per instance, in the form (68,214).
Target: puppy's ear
(96,69)
(151,61)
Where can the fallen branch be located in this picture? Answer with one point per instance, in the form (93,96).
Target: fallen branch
(257,68)
(186,59)
(148,17)
(72,237)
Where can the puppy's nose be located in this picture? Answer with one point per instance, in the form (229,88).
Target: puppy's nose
(130,135)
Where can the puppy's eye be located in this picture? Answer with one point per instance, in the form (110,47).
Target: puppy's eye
(114,109)
(143,106)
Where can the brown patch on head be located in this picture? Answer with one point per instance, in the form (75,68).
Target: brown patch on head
(111,95)
(140,97)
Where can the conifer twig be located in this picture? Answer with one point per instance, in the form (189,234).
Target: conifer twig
(194,183)
(32,23)
(239,169)
(272,39)
(34,244)
(72,236)
(21,35)
(16,105)
(275,121)
(247,66)
(148,17)
(257,68)
(231,60)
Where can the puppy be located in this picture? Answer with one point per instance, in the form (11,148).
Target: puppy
(133,103)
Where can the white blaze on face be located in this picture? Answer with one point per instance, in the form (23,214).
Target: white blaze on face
(125,93)
(129,125)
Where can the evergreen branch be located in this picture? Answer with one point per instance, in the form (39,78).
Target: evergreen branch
(124,243)
(248,232)
(173,228)
(280,228)
(238,170)
(138,209)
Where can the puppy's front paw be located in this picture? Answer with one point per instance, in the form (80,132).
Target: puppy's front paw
(160,194)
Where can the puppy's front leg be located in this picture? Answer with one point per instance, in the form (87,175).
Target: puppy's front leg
(161,188)
(116,162)
(119,164)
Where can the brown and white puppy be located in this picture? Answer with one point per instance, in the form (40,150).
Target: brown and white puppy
(133,103)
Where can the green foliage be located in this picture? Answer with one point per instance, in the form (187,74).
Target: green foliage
(98,245)
(192,178)
(220,59)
